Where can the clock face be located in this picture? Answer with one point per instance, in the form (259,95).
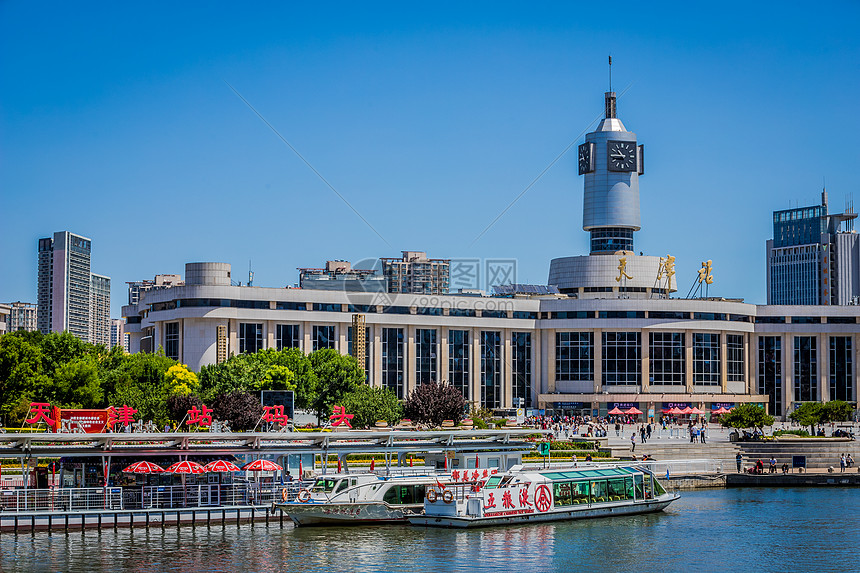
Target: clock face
(621,155)
(586,158)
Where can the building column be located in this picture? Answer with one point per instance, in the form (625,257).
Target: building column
(645,366)
(307,347)
(724,362)
(788,369)
(409,360)
(181,341)
(475,366)
(598,361)
(549,365)
(270,334)
(537,366)
(750,363)
(823,367)
(507,370)
(342,342)
(442,355)
(233,338)
(376,359)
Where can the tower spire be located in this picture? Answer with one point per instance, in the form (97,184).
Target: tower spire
(610,95)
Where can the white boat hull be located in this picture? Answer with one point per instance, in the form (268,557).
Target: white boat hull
(356,513)
(568,513)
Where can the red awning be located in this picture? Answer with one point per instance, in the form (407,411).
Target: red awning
(616,411)
(633,411)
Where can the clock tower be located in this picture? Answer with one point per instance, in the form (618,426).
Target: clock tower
(611,161)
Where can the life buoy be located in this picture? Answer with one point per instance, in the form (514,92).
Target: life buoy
(431,495)
(304,496)
(447,496)
(284,494)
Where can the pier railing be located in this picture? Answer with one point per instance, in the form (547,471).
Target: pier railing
(149,497)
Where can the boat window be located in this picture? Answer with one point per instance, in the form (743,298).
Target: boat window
(658,489)
(599,492)
(353,481)
(324,485)
(342,486)
(640,493)
(579,492)
(493,462)
(648,480)
(562,493)
(404,494)
(493,482)
(618,489)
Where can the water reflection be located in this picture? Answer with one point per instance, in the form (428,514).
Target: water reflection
(775,529)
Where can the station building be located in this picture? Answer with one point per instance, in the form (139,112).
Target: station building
(608,334)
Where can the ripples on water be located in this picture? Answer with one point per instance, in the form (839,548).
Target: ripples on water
(726,530)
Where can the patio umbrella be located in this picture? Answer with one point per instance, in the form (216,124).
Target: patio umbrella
(720,410)
(616,411)
(675,411)
(696,411)
(261,466)
(186,467)
(143,468)
(634,411)
(221,466)
(687,411)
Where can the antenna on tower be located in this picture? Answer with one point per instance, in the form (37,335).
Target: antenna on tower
(610,72)
(250,274)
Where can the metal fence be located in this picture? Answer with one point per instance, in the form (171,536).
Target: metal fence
(73,499)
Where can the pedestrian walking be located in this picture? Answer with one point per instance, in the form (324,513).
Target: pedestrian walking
(617,429)
(648,431)
(739,459)
(702,434)
(842,463)
(849,461)
(633,441)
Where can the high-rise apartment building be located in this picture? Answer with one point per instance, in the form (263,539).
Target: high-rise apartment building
(70,298)
(4,318)
(416,274)
(814,257)
(22,316)
(118,335)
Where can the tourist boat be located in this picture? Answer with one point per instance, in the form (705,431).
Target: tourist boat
(361,498)
(530,495)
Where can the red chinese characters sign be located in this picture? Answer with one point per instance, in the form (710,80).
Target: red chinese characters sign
(39,412)
(202,417)
(517,500)
(340,417)
(275,414)
(121,416)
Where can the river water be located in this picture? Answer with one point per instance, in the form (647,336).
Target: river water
(803,529)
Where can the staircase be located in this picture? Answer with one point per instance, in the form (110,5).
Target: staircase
(820,453)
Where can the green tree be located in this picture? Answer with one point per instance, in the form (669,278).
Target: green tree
(836,411)
(22,378)
(747,416)
(807,414)
(59,348)
(77,384)
(140,382)
(435,402)
(337,376)
(367,405)
(180,380)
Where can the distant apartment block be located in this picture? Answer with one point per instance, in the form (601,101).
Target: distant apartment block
(4,318)
(70,297)
(339,275)
(22,316)
(118,335)
(414,273)
(136,288)
(814,257)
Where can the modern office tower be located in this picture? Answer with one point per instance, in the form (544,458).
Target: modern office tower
(22,316)
(612,161)
(118,335)
(100,310)
(71,298)
(416,274)
(339,275)
(65,284)
(814,257)
(136,288)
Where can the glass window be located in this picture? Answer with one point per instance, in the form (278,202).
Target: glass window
(770,371)
(621,358)
(250,337)
(805,368)
(706,358)
(323,337)
(426,355)
(287,336)
(458,361)
(392,360)
(735,357)
(841,369)
(599,491)
(491,369)
(574,356)
(171,340)
(521,363)
(668,358)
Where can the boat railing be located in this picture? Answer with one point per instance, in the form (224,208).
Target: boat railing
(662,468)
(61,499)
(407,472)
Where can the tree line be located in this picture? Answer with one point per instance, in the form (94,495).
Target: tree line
(68,373)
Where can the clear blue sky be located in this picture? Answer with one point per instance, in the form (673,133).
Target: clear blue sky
(116,123)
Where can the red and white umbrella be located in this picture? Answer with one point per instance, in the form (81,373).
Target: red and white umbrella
(696,411)
(616,411)
(186,467)
(221,466)
(143,468)
(633,411)
(261,466)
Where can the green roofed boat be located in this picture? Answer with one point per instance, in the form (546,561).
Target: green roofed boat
(522,495)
